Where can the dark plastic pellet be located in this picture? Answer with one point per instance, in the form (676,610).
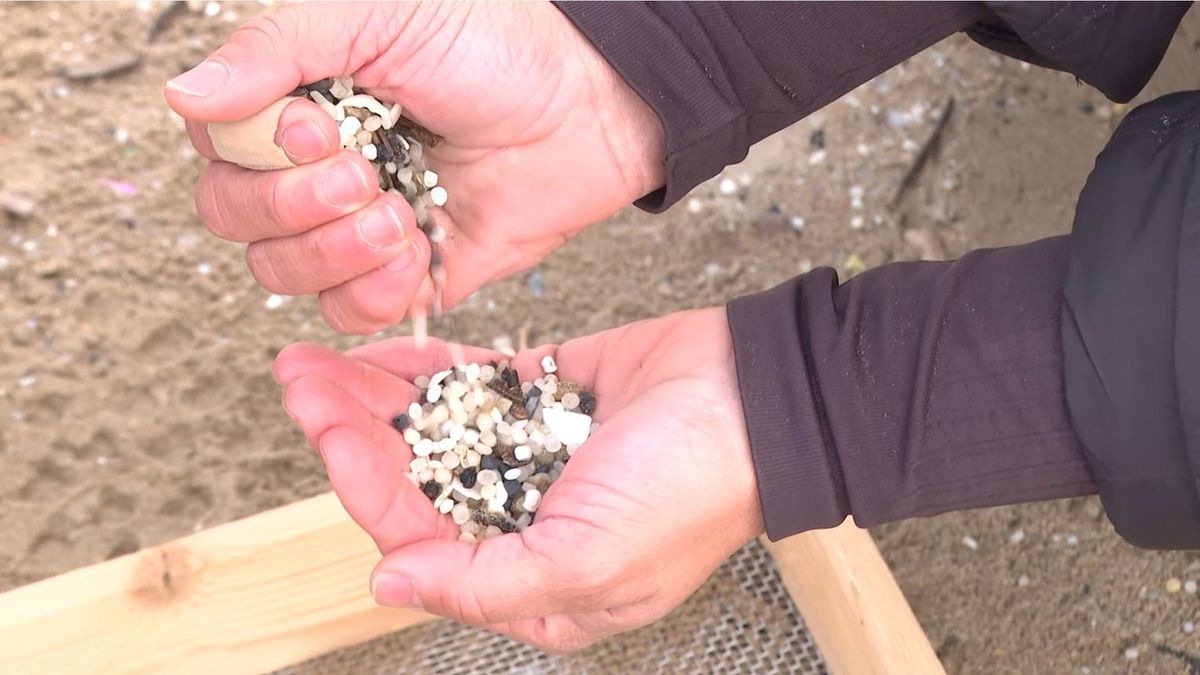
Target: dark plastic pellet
(587,403)
(432,489)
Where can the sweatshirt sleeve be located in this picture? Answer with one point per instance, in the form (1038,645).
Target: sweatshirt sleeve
(911,390)
(724,75)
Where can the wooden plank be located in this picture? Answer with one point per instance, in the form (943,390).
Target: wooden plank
(852,605)
(257,594)
(290,584)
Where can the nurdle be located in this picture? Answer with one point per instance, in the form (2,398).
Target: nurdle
(395,145)
(487,446)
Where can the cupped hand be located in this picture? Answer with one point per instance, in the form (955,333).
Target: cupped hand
(659,496)
(542,138)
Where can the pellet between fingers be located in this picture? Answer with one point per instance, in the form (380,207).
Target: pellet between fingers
(395,146)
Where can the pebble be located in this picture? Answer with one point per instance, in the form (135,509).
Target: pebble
(569,427)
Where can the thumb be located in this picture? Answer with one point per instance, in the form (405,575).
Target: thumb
(497,580)
(269,57)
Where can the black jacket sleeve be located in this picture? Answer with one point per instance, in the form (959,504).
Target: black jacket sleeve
(1131,329)
(723,75)
(910,390)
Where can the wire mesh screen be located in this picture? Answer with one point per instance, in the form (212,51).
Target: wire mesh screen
(741,621)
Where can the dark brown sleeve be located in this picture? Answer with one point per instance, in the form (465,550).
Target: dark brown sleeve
(911,390)
(724,75)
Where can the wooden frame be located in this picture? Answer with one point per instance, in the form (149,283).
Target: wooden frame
(290,584)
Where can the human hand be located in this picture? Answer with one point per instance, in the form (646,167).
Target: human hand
(542,138)
(656,499)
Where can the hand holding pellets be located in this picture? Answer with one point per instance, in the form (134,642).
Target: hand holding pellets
(392,143)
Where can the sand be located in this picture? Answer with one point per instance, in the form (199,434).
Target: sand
(135,389)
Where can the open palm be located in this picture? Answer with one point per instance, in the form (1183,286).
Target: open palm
(542,138)
(656,499)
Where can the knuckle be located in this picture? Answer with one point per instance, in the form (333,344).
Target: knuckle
(557,639)
(339,318)
(275,201)
(377,308)
(264,268)
(466,605)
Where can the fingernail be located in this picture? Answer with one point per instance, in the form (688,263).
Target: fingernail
(305,140)
(203,80)
(403,260)
(394,590)
(380,228)
(343,185)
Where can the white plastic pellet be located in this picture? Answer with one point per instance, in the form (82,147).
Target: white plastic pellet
(450,460)
(461,513)
(434,394)
(446,506)
(438,196)
(423,448)
(548,364)
(369,151)
(523,453)
(487,477)
(430,179)
(512,474)
(531,501)
(412,436)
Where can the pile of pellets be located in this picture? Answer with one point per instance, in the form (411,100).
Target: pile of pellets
(395,145)
(487,446)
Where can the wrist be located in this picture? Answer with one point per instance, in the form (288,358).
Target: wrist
(633,131)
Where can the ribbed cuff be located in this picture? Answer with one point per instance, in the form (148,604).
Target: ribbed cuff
(800,485)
